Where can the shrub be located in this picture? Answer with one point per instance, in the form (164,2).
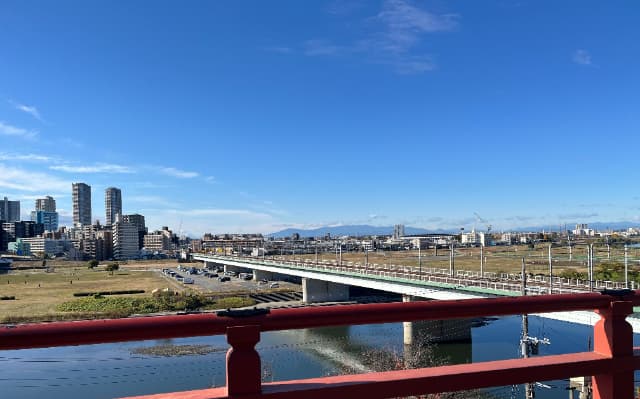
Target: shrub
(121,292)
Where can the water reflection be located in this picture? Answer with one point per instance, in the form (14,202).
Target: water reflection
(113,370)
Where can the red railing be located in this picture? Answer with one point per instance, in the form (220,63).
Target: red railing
(611,363)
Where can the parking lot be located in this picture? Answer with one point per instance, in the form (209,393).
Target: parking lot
(209,281)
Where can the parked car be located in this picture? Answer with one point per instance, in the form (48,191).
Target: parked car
(274,285)
(224,278)
(212,275)
(188,280)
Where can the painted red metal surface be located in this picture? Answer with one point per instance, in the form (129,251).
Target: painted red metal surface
(611,363)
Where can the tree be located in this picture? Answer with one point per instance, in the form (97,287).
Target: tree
(112,267)
(92,264)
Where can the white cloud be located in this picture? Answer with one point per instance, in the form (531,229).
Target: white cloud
(402,16)
(97,168)
(408,65)
(31,110)
(581,57)
(278,49)
(23,180)
(179,173)
(9,130)
(151,199)
(393,37)
(320,47)
(24,157)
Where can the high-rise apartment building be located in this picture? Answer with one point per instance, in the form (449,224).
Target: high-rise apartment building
(9,210)
(125,240)
(45,213)
(112,204)
(47,204)
(138,221)
(81,194)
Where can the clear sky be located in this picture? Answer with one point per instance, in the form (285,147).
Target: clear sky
(253,116)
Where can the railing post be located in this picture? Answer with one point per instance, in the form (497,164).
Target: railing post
(613,336)
(243,361)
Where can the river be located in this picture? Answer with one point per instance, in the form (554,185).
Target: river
(116,370)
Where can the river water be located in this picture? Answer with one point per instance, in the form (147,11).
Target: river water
(115,370)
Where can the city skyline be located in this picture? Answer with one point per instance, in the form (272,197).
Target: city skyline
(329,113)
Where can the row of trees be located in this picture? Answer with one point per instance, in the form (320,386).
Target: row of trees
(111,267)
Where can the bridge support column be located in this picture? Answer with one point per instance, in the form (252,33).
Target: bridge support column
(454,330)
(262,275)
(231,268)
(323,291)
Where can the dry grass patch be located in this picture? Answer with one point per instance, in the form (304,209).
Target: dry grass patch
(38,293)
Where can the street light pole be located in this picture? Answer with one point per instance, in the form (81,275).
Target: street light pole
(590,263)
(626,266)
(481,261)
(451,259)
(550,272)
(419,259)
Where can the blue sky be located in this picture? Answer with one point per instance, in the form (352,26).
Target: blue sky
(253,116)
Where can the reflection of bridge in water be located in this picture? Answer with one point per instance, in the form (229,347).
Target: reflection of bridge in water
(349,354)
(330,281)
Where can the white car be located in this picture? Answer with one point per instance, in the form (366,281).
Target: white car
(274,285)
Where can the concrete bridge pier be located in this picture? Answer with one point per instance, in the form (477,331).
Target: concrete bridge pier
(262,275)
(208,265)
(435,331)
(237,269)
(323,291)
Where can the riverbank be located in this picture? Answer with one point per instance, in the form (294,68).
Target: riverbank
(50,294)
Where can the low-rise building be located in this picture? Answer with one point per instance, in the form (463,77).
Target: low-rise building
(19,247)
(47,246)
(157,241)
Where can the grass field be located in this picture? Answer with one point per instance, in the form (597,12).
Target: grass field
(38,292)
(507,259)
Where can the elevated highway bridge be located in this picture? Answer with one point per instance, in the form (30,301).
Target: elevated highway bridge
(330,281)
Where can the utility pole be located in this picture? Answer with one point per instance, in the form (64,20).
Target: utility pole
(340,254)
(590,265)
(481,261)
(550,272)
(524,345)
(528,345)
(451,259)
(626,266)
(419,258)
(316,253)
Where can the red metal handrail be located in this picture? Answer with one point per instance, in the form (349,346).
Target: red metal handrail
(611,363)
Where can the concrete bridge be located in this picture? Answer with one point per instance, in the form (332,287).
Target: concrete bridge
(330,281)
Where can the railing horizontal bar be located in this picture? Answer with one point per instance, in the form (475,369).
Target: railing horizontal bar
(428,380)
(176,326)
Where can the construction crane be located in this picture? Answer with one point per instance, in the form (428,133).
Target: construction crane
(481,220)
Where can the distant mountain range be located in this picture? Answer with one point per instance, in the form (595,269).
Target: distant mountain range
(352,230)
(368,230)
